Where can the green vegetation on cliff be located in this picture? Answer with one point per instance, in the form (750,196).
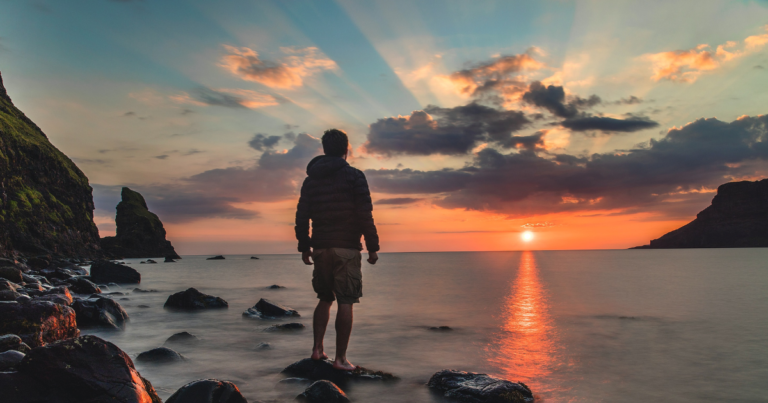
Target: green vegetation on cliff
(46,203)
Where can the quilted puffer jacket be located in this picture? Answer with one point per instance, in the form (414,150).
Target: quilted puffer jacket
(335,196)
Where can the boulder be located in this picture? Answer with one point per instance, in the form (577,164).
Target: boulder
(160,355)
(323,392)
(295,381)
(169,259)
(85,369)
(193,299)
(323,370)
(275,287)
(9,295)
(479,388)
(54,294)
(207,391)
(38,322)
(38,263)
(217,257)
(183,338)
(9,359)
(60,273)
(263,346)
(151,261)
(7,285)
(11,273)
(23,299)
(106,271)
(12,342)
(80,285)
(266,309)
(285,326)
(98,311)
(140,290)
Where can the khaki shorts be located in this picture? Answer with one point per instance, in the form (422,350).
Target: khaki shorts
(338,275)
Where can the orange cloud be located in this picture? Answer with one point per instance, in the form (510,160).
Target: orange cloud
(288,73)
(226,97)
(686,65)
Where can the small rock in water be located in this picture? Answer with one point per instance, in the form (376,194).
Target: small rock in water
(103,270)
(217,257)
(323,392)
(266,309)
(140,306)
(479,388)
(151,261)
(295,381)
(440,328)
(125,299)
(160,355)
(169,259)
(254,257)
(193,299)
(275,287)
(285,326)
(263,346)
(10,358)
(113,285)
(140,290)
(207,391)
(323,370)
(183,338)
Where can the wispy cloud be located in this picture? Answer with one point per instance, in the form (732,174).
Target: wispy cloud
(226,97)
(287,73)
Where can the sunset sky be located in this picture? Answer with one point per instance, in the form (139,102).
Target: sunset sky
(594,125)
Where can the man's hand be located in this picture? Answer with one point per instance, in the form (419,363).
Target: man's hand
(307,257)
(372,257)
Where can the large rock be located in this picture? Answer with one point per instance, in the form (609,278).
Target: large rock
(103,271)
(38,322)
(479,388)
(12,342)
(9,295)
(11,273)
(160,355)
(7,285)
(57,295)
(85,369)
(737,218)
(323,370)
(266,309)
(46,203)
(101,312)
(193,299)
(185,338)
(323,392)
(139,232)
(207,391)
(9,359)
(80,285)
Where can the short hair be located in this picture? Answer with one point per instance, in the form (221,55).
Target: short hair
(335,142)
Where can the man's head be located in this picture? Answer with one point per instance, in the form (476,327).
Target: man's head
(335,143)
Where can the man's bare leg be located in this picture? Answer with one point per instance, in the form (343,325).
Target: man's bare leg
(343,331)
(319,324)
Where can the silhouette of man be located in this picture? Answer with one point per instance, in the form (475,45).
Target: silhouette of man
(336,198)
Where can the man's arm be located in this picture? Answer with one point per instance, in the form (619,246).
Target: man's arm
(364,212)
(303,215)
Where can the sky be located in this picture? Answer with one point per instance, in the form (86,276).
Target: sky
(593,125)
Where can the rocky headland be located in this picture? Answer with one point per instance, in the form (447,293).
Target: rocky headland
(737,218)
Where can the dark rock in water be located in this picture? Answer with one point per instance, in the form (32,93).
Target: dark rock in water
(217,257)
(140,306)
(275,287)
(479,388)
(11,273)
(151,261)
(38,322)
(183,338)
(106,271)
(101,312)
(80,285)
(47,202)
(193,299)
(114,293)
(12,342)
(9,359)
(207,391)
(9,295)
(254,258)
(7,285)
(737,218)
(140,290)
(23,299)
(263,346)
(323,370)
(266,309)
(295,381)
(139,232)
(160,355)
(323,392)
(85,369)
(440,328)
(169,259)
(285,326)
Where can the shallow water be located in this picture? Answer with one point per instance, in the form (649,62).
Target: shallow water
(576,326)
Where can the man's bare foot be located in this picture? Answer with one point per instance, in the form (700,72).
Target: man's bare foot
(344,365)
(319,355)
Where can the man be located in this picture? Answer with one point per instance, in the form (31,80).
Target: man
(336,198)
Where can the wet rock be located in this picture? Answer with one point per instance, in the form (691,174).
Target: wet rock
(12,342)
(85,369)
(38,322)
(106,271)
(323,392)
(217,257)
(100,312)
(193,299)
(11,273)
(160,355)
(263,346)
(9,295)
(140,306)
(33,287)
(266,309)
(295,381)
(80,285)
(9,359)
(38,263)
(323,370)
(183,338)
(151,261)
(63,299)
(441,328)
(140,290)
(479,388)
(207,391)
(58,273)
(113,285)
(7,285)
(285,326)
(254,258)
(23,299)
(169,259)
(275,287)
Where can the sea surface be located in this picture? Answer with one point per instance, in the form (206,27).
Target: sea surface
(575,326)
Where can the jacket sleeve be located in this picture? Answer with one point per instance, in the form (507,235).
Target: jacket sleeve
(303,215)
(364,211)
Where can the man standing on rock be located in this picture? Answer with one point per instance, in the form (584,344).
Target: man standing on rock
(336,198)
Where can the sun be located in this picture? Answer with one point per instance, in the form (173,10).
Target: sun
(527,236)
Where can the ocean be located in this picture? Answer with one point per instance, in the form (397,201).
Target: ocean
(575,326)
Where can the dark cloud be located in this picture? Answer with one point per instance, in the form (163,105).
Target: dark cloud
(605,124)
(759,67)
(447,131)
(262,142)
(495,78)
(632,100)
(218,98)
(666,176)
(192,151)
(162,157)
(397,201)
(552,98)
(186,111)
(129,114)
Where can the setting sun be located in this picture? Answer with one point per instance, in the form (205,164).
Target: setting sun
(527,236)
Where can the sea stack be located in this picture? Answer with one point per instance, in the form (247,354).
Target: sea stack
(737,218)
(139,232)
(46,203)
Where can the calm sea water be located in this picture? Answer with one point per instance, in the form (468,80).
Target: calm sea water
(576,326)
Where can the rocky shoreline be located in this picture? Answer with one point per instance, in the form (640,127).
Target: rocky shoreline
(45,302)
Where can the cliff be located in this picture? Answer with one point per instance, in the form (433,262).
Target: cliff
(139,231)
(737,218)
(46,203)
